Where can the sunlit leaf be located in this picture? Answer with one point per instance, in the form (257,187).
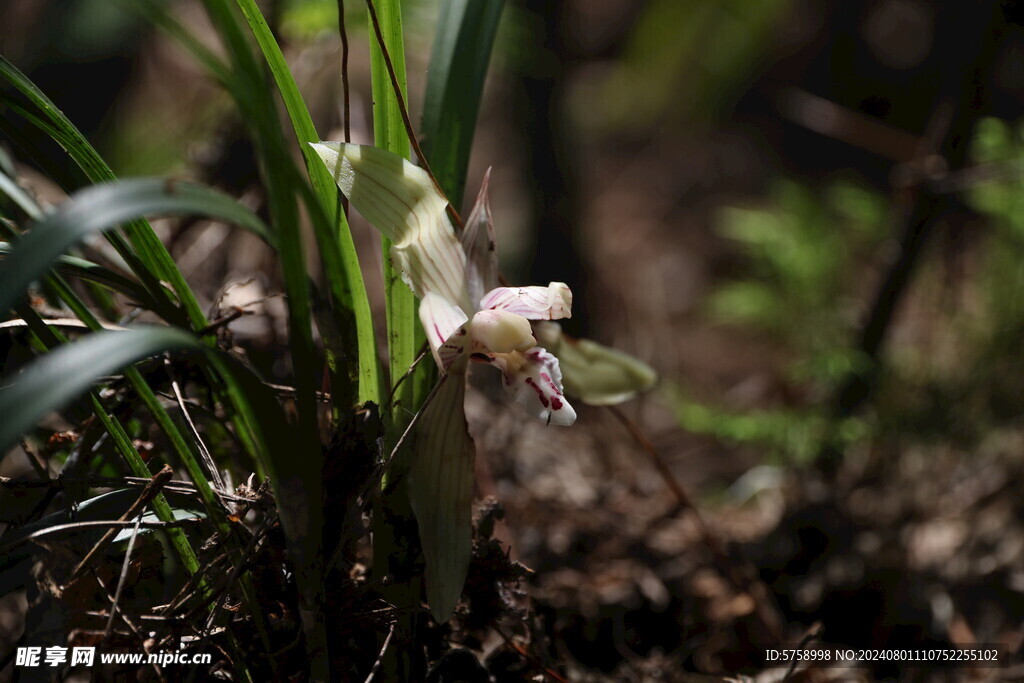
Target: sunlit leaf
(334,240)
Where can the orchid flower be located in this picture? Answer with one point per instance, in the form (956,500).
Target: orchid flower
(468,318)
(466,315)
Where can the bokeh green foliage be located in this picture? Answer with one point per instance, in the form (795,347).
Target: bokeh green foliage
(800,251)
(994,326)
(702,53)
(808,261)
(780,435)
(800,256)
(999,145)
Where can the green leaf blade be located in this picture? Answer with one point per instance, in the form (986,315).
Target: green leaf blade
(150,260)
(389,133)
(337,248)
(103,207)
(458,68)
(60,376)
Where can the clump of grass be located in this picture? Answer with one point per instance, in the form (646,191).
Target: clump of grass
(126,389)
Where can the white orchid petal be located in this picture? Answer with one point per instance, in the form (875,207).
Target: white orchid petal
(401,201)
(441,494)
(536,303)
(535,380)
(444,324)
(480,246)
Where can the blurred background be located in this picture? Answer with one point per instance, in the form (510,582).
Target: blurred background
(808,216)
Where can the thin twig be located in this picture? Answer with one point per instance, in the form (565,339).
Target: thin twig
(526,654)
(173,486)
(37,463)
(92,482)
(196,406)
(124,574)
(237,310)
(185,594)
(812,634)
(85,447)
(767,610)
(75,526)
(204,452)
(841,123)
(132,626)
(140,617)
(235,571)
(59,322)
(404,111)
(380,656)
(408,373)
(321,396)
(663,469)
(225,319)
(972,176)
(345,100)
(148,494)
(346,109)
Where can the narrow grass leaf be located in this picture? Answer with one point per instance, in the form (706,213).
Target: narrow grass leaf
(149,259)
(52,338)
(455,82)
(147,256)
(389,133)
(285,188)
(83,269)
(66,372)
(161,15)
(337,249)
(20,197)
(105,206)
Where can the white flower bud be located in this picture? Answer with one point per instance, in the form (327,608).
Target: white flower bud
(501,332)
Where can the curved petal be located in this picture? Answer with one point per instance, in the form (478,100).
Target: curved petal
(480,246)
(536,303)
(444,324)
(400,200)
(535,380)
